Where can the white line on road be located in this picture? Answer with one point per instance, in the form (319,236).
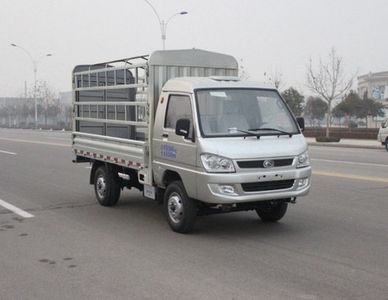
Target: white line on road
(7,152)
(350,162)
(34,142)
(59,138)
(15,209)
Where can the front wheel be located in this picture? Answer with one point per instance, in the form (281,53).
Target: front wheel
(272,211)
(106,186)
(180,209)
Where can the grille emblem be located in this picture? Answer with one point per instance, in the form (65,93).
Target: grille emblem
(268,164)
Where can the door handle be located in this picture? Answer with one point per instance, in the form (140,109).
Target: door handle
(165,135)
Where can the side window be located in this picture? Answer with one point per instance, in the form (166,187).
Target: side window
(178,107)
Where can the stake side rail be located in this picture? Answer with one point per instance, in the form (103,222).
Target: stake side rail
(112,112)
(121,77)
(108,99)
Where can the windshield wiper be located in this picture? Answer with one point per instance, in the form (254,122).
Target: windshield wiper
(243,131)
(272,129)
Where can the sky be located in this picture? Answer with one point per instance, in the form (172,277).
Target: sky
(268,37)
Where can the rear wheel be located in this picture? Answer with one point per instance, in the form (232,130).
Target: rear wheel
(386,144)
(106,186)
(180,209)
(272,211)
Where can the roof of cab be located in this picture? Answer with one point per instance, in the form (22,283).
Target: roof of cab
(188,84)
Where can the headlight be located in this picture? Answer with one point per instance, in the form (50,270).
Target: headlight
(303,160)
(217,164)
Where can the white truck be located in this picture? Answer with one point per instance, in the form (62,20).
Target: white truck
(182,128)
(382,135)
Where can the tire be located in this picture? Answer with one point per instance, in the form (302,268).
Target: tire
(386,144)
(272,211)
(106,186)
(181,211)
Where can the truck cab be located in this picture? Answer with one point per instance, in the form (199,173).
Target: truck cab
(230,145)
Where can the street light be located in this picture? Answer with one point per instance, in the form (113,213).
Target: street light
(163,24)
(35,63)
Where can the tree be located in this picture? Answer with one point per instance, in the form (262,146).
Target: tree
(354,106)
(370,107)
(243,74)
(48,101)
(276,78)
(315,109)
(328,81)
(294,100)
(350,106)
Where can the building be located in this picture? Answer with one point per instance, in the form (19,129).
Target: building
(9,101)
(374,86)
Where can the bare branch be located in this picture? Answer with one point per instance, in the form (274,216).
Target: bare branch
(328,81)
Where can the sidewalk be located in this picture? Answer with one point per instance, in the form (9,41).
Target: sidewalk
(348,143)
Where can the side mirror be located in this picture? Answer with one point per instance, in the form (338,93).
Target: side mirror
(300,121)
(182,127)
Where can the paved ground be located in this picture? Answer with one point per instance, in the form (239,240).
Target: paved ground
(331,245)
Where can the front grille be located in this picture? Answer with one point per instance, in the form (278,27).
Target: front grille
(254,164)
(267,185)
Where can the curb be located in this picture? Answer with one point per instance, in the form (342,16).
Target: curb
(337,145)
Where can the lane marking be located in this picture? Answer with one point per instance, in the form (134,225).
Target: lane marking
(350,162)
(58,138)
(15,210)
(350,176)
(7,152)
(35,142)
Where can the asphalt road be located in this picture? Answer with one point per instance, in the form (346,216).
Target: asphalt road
(333,244)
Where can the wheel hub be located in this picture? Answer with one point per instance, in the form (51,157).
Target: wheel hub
(101,187)
(175,208)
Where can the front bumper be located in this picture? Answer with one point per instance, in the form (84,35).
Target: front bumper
(213,190)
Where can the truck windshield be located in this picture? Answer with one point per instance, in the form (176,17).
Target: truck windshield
(240,112)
